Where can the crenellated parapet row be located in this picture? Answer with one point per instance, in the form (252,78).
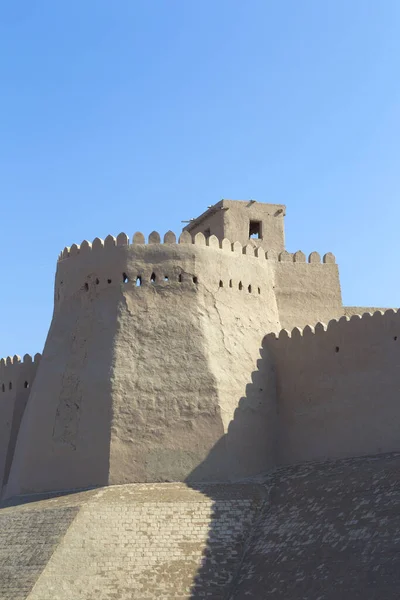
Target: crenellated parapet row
(99,245)
(336,326)
(13,369)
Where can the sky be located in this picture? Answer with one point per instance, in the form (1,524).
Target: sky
(131,115)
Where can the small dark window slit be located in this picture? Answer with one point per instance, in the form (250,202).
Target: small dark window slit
(125,278)
(195,280)
(221,283)
(26,385)
(249,289)
(180,278)
(86,286)
(240,285)
(337,349)
(108,280)
(153,278)
(255,230)
(10,386)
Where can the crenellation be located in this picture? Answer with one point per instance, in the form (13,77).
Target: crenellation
(110,242)
(299,257)
(97,244)
(272,255)
(74,250)
(122,239)
(248,250)
(314,257)
(138,238)
(185,238)
(85,247)
(213,242)
(285,256)
(329,258)
(199,239)
(226,245)
(170,238)
(259,252)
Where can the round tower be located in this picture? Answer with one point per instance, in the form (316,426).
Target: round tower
(152,370)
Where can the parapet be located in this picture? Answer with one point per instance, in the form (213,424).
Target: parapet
(336,326)
(199,239)
(13,370)
(337,387)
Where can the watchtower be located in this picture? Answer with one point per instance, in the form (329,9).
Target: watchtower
(244,221)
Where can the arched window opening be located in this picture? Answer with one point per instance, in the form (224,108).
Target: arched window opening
(249,289)
(221,283)
(138,281)
(180,277)
(195,280)
(240,285)
(125,278)
(26,385)
(166,278)
(230,283)
(153,278)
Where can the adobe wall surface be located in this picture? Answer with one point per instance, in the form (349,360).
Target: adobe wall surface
(320,531)
(307,290)
(138,383)
(338,388)
(16,379)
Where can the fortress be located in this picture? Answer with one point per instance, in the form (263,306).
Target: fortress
(215,359)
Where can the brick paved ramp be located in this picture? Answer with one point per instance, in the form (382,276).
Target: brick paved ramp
(140,541)
(331,532)
(315,532)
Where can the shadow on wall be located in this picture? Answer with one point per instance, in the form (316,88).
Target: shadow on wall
(246,451)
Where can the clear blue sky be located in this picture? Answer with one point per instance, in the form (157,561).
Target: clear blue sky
(135,114)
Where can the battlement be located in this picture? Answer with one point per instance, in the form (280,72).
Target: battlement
(203,261)
(122,240)
(336,326)
(16,380)
(337,387)
(12,368)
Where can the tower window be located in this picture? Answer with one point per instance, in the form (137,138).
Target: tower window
(255,230)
